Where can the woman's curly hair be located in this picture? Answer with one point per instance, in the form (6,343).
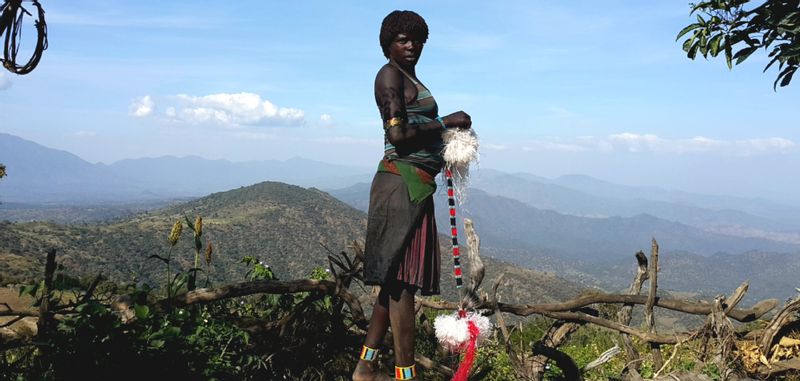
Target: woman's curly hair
(406,22)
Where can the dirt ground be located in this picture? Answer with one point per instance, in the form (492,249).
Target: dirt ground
(11,297)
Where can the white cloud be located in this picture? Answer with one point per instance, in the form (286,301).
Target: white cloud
(579,144)
(495,147)
(254,135)
(700,144)
(542,145)
(349,140)
(326,119)
(234,110)
(650,143)
(5,82)
(142,106)
(85,134)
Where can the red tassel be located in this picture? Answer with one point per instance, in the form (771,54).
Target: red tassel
(462,374)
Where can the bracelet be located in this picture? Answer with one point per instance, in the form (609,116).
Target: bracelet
(441,121)
(394,122)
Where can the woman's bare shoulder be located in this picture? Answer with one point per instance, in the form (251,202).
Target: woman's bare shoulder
(389,75)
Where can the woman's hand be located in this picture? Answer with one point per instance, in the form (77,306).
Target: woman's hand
(458,119)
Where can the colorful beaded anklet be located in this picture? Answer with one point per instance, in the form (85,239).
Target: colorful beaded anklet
(405,372)
(368,354)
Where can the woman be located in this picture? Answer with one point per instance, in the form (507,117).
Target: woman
(402,250)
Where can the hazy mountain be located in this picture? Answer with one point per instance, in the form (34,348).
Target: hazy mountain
(787,216)
(589,197)
(288,227)
(771,275)
(506,223)
(598,252)
(195,176)
(41,175)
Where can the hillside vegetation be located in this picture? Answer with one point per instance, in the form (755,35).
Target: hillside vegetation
(290,228)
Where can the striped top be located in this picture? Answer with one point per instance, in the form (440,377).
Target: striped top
(422,110)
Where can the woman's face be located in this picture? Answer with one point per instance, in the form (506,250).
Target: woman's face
(405,50)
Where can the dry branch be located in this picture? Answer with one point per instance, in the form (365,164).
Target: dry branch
(44,323)
(624,314)
(646,336)
(783,317)
(556,335)
(477,270)
(603,358)
(694,308)
(779,367)
(649,316)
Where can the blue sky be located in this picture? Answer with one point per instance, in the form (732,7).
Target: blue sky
(598,88)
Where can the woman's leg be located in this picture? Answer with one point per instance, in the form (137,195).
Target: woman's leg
(378,324)
(402,318)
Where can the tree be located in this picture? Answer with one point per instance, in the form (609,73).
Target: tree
(730,26)
(2,171)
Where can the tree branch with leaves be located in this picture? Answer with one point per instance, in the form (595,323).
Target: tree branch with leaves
(737,29)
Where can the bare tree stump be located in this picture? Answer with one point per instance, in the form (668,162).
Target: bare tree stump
(624,314)
(649,317)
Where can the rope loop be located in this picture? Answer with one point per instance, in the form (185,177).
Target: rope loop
(11,15)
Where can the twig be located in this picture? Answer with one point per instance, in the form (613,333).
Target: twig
(669,360)
(603,358)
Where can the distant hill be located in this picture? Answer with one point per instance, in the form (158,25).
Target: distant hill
(598,252)
(771,275)
(511,224)
(787,216)
(286,226)
(588,197)
(41,175)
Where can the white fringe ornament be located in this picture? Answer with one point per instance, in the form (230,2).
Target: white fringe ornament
(453,333)
(460,150)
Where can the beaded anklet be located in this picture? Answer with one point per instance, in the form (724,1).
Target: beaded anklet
(405,372)
(368,354)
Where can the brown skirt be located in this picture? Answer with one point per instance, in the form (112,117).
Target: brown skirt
(402,241)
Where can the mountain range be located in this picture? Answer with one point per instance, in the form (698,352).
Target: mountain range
(290,228)
(574,226)
(41,175)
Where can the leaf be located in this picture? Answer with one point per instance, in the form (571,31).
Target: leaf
(713,44)
(687,29)
(156,256)
(156,343)
(742,55)
(190,223)
(142,311)
(692,53)
(29,289)
(770,63)
(787,76)
(701,21)
(728,56)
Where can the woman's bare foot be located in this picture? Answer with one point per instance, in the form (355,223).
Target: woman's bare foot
(368,371)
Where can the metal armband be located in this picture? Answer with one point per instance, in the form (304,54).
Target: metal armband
(394,122)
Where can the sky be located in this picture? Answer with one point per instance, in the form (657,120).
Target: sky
(570,87)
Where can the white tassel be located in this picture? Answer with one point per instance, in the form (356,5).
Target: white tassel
(453,333)
(460,150)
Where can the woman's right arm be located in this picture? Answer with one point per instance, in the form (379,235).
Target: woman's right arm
(391,100)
